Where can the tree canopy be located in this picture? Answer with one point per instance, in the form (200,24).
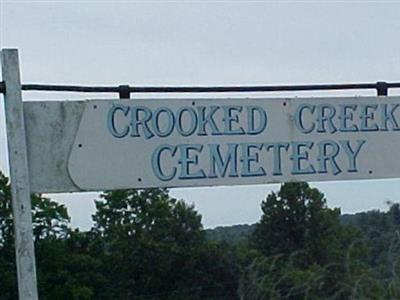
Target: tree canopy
(144,244)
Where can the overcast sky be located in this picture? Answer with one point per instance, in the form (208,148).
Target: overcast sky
(208,43)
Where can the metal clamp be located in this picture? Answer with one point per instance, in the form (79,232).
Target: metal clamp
(382,88)
(124,91)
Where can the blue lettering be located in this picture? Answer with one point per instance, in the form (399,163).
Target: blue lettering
(193,121)
(352,153)
(155,122)
(221,164)
(156,162)
(186,160)
(345,116)
(207,119)
(231,116)
(251,128)
(324,156)
(277,155)
(325,114)
(247,159)
(111,120)
(389,117)
(298,118)
(298,156)
(367,115)
(136,121)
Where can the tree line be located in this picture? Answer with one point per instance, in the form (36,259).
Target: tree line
(144,244)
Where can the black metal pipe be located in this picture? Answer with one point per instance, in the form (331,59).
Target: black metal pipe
(124,90)
(70,88)
(199,89)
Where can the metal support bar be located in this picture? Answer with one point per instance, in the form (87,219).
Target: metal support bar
(123,90)
(20,189)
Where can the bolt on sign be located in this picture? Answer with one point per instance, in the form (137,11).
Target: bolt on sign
(139,143)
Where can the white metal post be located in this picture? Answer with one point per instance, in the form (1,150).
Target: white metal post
(20,190)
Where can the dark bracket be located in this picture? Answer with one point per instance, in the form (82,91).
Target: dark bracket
(124,91)
(382,88)
(2,87)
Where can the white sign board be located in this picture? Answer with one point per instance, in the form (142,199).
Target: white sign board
(202,142)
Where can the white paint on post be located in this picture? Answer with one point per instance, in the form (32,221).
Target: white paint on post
(21,195)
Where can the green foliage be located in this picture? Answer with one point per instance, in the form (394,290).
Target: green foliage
(49,218)
(305,252)
(147,245)
(230,234)
(67,269)
(60,268)
(276,277)
(296,219)
(146,236)
(149,215)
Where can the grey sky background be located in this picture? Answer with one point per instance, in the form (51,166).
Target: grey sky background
(208,43)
